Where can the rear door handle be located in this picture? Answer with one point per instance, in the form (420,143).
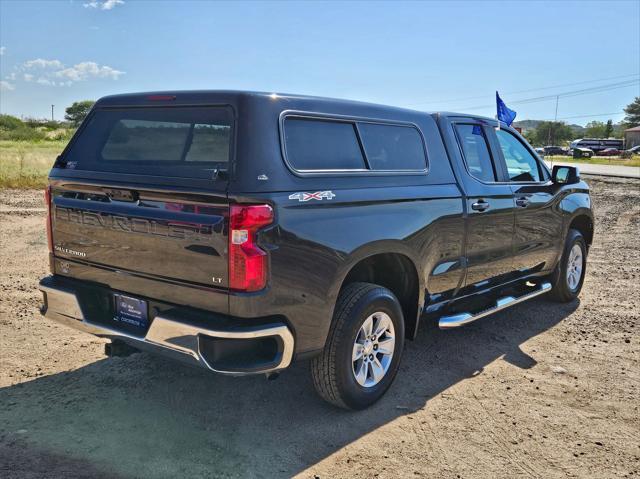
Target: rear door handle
(480,205)
(522,202)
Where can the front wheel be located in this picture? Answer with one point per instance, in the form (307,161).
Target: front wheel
(570,272)
(363,349)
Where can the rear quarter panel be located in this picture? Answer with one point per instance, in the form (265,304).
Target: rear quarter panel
(314,246)
(315,243)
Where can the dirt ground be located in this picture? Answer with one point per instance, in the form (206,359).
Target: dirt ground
(541,390)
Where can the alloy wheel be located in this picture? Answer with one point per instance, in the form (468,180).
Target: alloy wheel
(373,349)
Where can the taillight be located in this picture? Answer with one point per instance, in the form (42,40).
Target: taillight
(248,264)
(47,201)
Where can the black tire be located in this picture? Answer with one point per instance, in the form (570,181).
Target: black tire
(332,371)
(561,291)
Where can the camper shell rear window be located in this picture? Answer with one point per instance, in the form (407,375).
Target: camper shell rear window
(187,142)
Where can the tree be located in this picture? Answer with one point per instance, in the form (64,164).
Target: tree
(596,129)
(608,129)
(618,129)
(633,113)
(530,136)
(77,112)
(552,133)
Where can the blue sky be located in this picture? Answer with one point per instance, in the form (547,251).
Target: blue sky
(423,55)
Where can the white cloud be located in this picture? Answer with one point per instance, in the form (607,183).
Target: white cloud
(85,70)
(41,63)
(103,4)
(2,50)
(6,86)
(55,73)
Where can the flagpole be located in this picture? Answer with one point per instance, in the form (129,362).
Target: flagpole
(497,112)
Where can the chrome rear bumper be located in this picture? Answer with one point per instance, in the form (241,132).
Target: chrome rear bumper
(169,336)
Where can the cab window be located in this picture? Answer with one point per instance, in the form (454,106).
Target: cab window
(476,152)
(521,165)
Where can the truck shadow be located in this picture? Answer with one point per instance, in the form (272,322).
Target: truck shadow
(143,416)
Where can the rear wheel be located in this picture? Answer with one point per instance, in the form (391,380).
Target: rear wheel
(569,275)
(363,349)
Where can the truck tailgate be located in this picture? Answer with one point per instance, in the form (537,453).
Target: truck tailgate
(158,235)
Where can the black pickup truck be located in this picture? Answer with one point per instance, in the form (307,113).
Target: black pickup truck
(242,231)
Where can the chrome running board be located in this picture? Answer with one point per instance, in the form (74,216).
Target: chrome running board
(460,319)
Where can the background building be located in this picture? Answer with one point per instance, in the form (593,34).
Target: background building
(632,137)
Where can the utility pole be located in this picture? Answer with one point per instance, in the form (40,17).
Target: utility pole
(555,120)
(52,112)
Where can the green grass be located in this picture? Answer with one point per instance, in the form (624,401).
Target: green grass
(26,164)
(598,160)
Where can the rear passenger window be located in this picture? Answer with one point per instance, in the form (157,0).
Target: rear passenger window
(476,152)
(392,147)
(322,145)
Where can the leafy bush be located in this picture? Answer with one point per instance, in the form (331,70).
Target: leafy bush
(8,122)
(61,135)
(12,128)
(22,133)
(47,125)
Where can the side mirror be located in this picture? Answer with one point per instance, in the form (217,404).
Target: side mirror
(565,175)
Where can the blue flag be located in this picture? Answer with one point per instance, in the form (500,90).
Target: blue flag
(504,113)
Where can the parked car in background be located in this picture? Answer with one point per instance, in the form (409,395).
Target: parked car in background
(609,152)
(581,152)
(540,152)
(555,150)
(633,151)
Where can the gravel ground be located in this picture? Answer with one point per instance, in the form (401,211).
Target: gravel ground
(541,390)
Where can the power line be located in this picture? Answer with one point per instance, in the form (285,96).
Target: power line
(596,89)
(590,115)
(454,100)
(568,94)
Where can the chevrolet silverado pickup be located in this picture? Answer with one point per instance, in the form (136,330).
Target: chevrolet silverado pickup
(242,231)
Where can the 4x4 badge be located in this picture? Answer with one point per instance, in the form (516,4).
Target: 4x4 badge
(318,195)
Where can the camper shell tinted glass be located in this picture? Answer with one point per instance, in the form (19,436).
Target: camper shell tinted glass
(325,144)
(184,142)
(322,145)
(392,147)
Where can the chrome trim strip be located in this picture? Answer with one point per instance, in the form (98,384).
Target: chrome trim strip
(457,320)
(181,340)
